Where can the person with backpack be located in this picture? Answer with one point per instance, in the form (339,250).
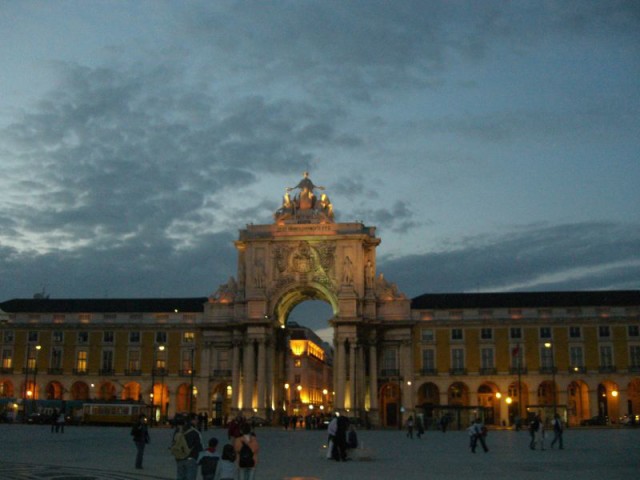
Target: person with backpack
(557,431)
(246,447)
(227,468)
(186,446)
(208,460)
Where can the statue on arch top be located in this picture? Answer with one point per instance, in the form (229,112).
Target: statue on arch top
(305,207)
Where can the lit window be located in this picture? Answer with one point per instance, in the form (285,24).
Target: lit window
(188,337)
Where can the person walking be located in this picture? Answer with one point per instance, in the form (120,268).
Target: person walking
(478,433)
(533,428)
(227,468)
(557,432)
(247,448)
(140,434)
(208,460)
(187,466)
(540,433)
(409,426)
(419,426)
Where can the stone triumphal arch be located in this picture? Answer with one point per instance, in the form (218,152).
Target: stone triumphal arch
(306,255)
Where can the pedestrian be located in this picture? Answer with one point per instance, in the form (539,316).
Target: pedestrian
(540,433)
(247,448)
(533,428)
(208,460)
(409,425)
(140,434)
(187,434)
(478,433)
(340,441)
(352,438)
(444,422)
(227,468)
(60,422)
(419,426)
(54,419)
(332,430)
(557,432)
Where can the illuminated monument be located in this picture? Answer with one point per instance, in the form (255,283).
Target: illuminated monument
(306,255)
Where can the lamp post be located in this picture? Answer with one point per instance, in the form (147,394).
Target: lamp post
(549,345)
(191,385)
(35,372)
(153,384)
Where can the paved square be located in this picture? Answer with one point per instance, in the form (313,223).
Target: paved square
(96,453)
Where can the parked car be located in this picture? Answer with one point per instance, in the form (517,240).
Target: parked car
(258,421)
(597,420)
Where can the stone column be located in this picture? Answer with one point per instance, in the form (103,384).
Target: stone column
(373,376)
(360,378)
(352,375)
(340,374)
(249,376)
(235,375)
(262,364)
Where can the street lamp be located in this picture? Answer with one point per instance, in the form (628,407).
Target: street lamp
(153,383)
(28,394)
(549,345)
(191,385)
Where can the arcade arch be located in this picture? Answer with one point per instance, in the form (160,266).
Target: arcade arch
(577,402)
(54,391)
(633,397)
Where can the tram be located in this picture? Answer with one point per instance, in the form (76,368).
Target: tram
(113,413)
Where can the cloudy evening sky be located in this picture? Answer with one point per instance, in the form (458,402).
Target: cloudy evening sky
(494,145)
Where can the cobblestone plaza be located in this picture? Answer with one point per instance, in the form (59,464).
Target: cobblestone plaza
(94,453)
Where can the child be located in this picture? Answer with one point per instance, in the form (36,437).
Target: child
(208,460)
(227,469)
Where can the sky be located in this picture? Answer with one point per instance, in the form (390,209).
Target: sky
(493,144)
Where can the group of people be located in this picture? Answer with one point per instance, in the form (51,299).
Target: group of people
(537,432)
(238,460)
(58,421)
(342,438)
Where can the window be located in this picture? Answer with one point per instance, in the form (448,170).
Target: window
(187,361)
(634,330)
(57,336)
(456,334)
(545,332)
(428,359)
(428,335)
(8,336)
(56,358)
(161,337)
(222,359)
(32,336)
(134,361)
(297,363)
(457,358)
(606,356)
(487,358)
(634,356)
(517,356)
(188,337)
(486,333)
(515,333)
(296,379)
(83,337)
(604,331)
(390,360)
(107,360)
(576,356)
(574,332)
(107,337)
(7,358)
(546,357)
(134,337)
(81,361)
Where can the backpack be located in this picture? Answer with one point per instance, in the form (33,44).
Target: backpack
(245,458)
(208,464)
(180,448)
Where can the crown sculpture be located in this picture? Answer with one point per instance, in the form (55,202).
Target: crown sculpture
(304,207)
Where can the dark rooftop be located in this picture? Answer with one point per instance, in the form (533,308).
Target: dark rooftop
(104,305)
(619,298)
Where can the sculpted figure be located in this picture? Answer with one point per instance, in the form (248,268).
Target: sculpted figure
(369,274)
(347,271)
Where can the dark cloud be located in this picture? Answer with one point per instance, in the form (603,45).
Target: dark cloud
(571,256)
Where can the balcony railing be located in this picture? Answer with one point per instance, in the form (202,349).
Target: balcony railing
(6,370)
(607,368)
(160,371)
(577,369)
(106,371)
(548,370)
(488,371)
(221,373)
(55,371)
(514,370)
(429,372)
(133,373)
(634,368)
(80,371)
(458,371)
